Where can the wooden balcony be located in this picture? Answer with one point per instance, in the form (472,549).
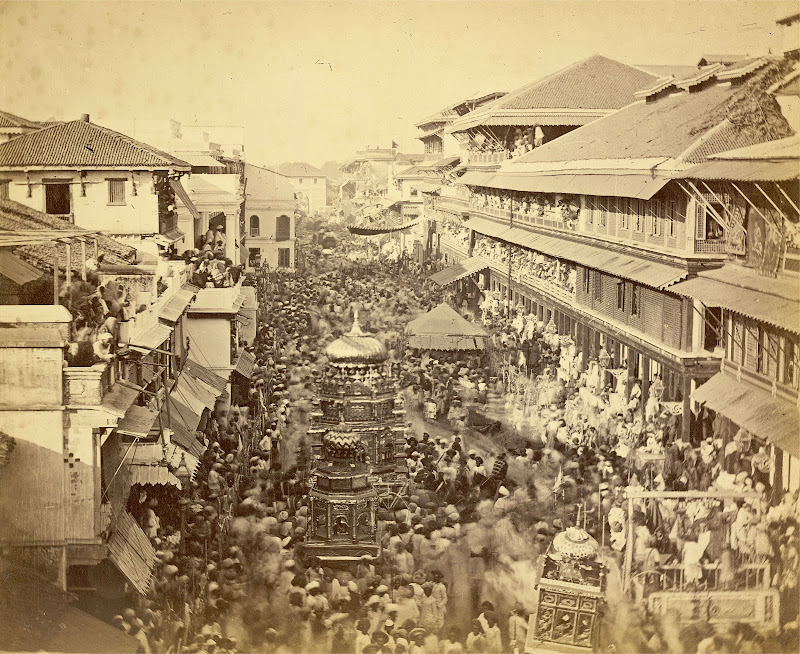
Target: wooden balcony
(716,246)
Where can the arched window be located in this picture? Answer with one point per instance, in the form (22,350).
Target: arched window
(283,228)
(254,226)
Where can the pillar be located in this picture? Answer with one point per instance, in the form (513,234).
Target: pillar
(645,381)
(632,354)
(686,423)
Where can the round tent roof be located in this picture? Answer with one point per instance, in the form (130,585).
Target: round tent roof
(356,346)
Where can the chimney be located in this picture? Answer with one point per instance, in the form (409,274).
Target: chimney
(85,118)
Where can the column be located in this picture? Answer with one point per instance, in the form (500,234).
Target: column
(645,381)
(686,422)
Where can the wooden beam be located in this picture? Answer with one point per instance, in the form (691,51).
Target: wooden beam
(770,200)
(788,199)
(750,202)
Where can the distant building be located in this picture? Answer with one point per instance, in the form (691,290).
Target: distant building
(310,186)
(269,235)
(12,126)
(96,179)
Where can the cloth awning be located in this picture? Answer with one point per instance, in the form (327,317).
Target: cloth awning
(245,364)
(183,196)
(475,178)
(137,421)
(458,271)
(152,339)
(372,230)
(642,187)
(131,551)
(189,393)
(772,418)
(182,435)
(760,305)
(120,397)
(744,171)
(169,237)
(443,328)
(173,309)
(18,271)
(151,473)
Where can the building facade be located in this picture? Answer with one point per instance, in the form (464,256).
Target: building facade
(309,183)
(269,235)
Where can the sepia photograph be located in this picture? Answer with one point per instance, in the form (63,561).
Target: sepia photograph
(400,326)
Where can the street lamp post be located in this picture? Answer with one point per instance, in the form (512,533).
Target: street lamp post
(185,477)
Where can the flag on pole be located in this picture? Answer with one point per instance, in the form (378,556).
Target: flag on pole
(394,145)
(559,481)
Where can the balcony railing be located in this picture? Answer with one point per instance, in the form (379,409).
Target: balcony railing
(672,577)
(488,157)
(709,247)
(531,281)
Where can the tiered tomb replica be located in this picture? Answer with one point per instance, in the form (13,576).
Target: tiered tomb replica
(343,523)
(357,389)
(570,595)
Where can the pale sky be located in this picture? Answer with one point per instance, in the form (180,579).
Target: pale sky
(312,81)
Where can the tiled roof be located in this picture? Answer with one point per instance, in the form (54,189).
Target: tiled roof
(15,216)
(665,70)
(265,184)
(689,124)
(594,83)
(786,148)
(299,169)
(11,120)
(81,143)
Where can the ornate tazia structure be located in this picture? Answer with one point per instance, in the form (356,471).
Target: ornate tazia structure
(358,389)
(343,501)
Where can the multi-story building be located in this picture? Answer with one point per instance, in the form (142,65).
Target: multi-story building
(12,126)
(309,183)
(269,238)
(96,179)
(591,231)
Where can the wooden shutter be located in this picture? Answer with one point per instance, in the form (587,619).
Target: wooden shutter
(750,347)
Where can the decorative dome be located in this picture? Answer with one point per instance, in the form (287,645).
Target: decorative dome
(341,443)
(356,346)
(575,543)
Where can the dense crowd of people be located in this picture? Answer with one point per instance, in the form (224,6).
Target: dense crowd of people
(457,560)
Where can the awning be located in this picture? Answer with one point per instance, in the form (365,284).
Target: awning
(372,230)
(757,304)
(199,160)
(755,409)
(138,421)
(205,375)
(245,364)
(174,309)
(458,271)
(151,473)
(190,394)
(183,196)
(174,453)
(131,551)
(446,161)
(182,435)
(744,171)
(243,318)
(475,178)
(168,237)
(178,411)
(120,397)
(18,271)
(446,343)
(642,187)
(486,226)
(152,339)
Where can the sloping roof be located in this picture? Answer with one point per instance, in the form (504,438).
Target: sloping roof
(707,60)
(174,309)
(675,125)
(11,120)
(17,270)
(620,184)
(37,616)
(667,70)
(299,169)
(786,148)
(596,83)
(15,216)
(80,143)
(457,271)
(265,184)
(183,196)
(205,375)
(245,364)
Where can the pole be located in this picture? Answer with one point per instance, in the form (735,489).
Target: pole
(629,547)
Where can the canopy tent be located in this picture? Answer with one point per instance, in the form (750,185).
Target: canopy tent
(442,328)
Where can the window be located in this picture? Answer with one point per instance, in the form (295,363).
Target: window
(636,210)
(598,285)
(656,216)
(622,209)
(762,356)
(4,184)
(413,193)
(587,281)
(621,296)
(254,258)
(57,200)
(255,225)
(669,216)
(790,362)
(737,354)
(116,191)
(283,228)
(284,258)
(636,300)
(603,219)
(589,210)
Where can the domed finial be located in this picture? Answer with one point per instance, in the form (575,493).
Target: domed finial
(356,329)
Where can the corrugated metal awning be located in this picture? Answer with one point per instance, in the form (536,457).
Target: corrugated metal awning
(151,339)
(199,371)
(642,187)
(458,271)
(173,309)
(486,226)
(177,187)
(755,409)
(137,421)
(245,364)
(744,170)
(17,270)
(130,550)
(760,305)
